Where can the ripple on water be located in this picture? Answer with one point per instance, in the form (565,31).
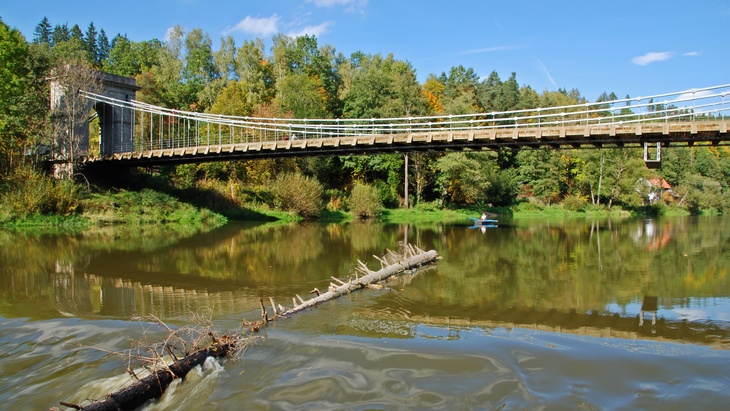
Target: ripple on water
(480,368)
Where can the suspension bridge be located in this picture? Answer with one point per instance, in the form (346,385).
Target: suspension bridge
(134,133)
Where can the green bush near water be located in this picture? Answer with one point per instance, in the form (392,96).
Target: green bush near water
(27,193)
(365,202)
(299,194)
(31,198)
(144,207)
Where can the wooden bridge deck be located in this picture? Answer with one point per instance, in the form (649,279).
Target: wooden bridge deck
(594,135)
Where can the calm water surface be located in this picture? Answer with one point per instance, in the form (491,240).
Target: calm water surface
(526,315)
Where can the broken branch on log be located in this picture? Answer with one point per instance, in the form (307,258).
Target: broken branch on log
(162,374)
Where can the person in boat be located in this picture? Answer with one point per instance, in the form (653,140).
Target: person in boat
(484,216)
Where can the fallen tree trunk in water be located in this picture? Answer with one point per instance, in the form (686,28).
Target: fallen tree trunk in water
(152,386)
(393,264)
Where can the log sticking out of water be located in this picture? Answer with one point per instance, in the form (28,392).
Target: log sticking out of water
(152,386)
(392,264)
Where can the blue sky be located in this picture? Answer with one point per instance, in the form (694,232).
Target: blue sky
(636,48)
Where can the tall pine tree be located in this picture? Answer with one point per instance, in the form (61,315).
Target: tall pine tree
(91,45)
(60,34)
(42,32)
(103,48)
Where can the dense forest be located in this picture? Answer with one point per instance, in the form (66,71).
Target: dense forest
(299,78)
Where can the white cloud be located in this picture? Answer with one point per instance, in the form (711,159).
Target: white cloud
(492,49)
(693,95)
(350,5)
(691,53)
(257,26)
(317,30)
(652,57)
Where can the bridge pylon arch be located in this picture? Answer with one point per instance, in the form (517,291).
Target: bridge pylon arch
(116,122)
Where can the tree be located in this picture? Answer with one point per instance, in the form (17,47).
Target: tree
(14,84)
(42,32)
(255,72)
(544,171)
(408,99)
(71,109)
(76,33)
(677,164)
(199,66)
(489,92)
(103,48)
(433,90)
(460,91)
(121,59)
(463,178)
(624,167)
(592,173)
(225,59)
(302,56)
(199,69)
(423,175)
(383,87)
(707,162)
(528,98)
(92,47)
(163,85)
(232,100)
(509,94)
(304,96)
(60,34)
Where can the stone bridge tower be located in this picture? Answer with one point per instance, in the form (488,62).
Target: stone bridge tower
(116,121)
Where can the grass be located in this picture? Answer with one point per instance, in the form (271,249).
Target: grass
(143,207)
(414,215)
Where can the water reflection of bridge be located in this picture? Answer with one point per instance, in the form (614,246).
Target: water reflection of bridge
(84,295)
(595,324)
(90,294)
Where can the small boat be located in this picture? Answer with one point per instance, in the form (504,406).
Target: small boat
(479,221)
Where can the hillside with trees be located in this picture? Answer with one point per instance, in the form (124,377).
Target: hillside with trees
(300,78)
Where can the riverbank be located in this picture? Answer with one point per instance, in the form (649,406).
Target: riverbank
(108,208)
(150,207)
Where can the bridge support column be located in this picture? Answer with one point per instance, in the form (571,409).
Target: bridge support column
(656,161)
(72,114)
(117,122)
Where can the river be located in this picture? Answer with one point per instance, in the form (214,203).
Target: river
(527,314)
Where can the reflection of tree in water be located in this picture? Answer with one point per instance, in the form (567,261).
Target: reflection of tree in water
(254,253)
(535,267)
(561,266)
(364,235)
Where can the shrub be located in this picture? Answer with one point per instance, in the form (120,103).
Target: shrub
(335,199)
(427,206)
(28,192)
(574,203)
(298,193)
(365,202)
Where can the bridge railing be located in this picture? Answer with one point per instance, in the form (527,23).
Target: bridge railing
(163,128)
